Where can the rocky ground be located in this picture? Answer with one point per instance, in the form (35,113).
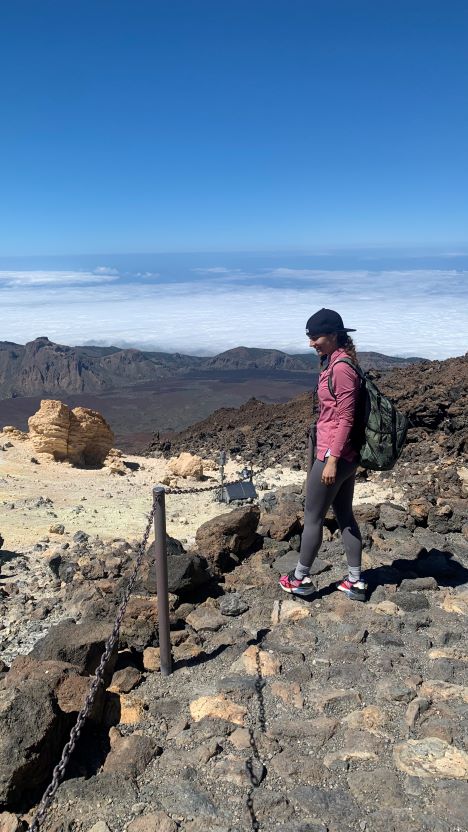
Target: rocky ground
(433,393)
(350,716)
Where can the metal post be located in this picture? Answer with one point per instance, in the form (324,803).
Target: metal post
(159,502)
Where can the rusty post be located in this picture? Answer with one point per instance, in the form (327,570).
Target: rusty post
(159,502)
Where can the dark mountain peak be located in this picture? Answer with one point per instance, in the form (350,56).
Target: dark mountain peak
(42,343)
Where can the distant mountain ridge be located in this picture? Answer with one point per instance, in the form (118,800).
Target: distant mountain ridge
(41,367)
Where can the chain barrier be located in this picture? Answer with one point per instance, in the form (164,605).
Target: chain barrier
(58,773)
(59,770)
(218,487)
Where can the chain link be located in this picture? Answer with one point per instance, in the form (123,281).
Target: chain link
(217,487)
(59,770)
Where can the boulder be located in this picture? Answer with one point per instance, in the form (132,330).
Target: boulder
(129,756)
(282,514)
(33,731)
(187,465)
(79,644)
(228,535)
(15,433)
(81,436)
(431,757)
(419,510)
(140,623)
(185,572)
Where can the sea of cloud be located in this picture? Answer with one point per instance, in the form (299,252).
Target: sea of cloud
(421,312)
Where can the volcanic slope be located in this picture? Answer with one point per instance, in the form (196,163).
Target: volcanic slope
(433,393)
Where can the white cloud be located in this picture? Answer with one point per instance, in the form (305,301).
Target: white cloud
(105,270)
(414,312)
(20,279)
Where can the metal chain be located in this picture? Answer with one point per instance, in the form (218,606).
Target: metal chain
(59,770)
(256,779)
(217,487)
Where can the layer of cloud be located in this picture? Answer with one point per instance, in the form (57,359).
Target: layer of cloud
(20,279)
(412,312)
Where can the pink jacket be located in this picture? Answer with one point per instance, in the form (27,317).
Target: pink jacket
(336,415)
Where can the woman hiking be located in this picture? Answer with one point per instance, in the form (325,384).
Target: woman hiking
(332,476)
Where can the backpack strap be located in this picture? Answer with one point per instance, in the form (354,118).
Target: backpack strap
(351,364)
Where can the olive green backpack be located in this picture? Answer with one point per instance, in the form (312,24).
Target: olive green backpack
(379,430)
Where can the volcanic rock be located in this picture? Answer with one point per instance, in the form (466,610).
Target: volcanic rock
(32,734)
(228,535)
(187,571)
(79,644)
(81,436)
(187,465)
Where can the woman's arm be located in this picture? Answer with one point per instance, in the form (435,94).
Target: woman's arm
(346,384)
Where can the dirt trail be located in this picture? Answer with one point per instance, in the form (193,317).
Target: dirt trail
(110,505)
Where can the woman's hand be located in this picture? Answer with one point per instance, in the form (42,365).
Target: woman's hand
(329,472)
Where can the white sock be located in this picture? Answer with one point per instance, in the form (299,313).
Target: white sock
(354,574)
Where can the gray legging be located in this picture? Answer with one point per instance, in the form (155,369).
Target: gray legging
(318,500)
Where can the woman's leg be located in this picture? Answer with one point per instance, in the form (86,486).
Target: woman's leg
(319,498)
(350,533)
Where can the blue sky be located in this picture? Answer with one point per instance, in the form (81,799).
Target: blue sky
(311,152)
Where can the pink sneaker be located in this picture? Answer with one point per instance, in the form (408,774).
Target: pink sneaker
(356,590)
(296,587)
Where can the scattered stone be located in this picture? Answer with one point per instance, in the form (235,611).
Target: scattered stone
(248,662)
(454,653)
(205,617)
(335,758)
(57,528)
(411,601)
(336,702)
(152,659)
(316,731)
(289,692)
(437,690)
(386,608)
(431,757)
(456,603)
(414,710)
(418,584)
(130,755)
(394,691)
(451,799)
(153,822)
(131,710)
(234,770)
(232,604)
(370,718)
(123,681)
(218,707)
(186,465)
(9,822)
(288,610)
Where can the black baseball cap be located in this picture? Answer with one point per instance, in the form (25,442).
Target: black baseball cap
(324,322)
